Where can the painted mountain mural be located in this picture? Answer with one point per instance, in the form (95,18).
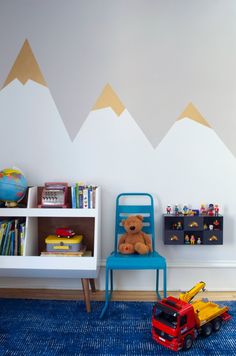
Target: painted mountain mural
(25,67)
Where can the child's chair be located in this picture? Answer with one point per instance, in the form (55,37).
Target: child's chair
(118,261)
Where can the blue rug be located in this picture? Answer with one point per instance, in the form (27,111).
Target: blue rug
(42,327)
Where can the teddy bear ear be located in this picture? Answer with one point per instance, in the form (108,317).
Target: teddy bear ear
(140,217)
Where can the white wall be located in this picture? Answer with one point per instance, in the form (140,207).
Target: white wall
(191,165)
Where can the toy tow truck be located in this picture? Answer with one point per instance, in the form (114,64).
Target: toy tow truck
(177,322)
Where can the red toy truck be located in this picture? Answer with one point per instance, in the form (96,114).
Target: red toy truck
(177,322)
(64,232)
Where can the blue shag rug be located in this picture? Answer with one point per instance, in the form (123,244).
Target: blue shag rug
(49,327)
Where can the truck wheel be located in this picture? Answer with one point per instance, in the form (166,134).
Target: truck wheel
(188,342)
(217,324)
(207,329)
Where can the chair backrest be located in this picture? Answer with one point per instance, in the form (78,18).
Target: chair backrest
(124,210)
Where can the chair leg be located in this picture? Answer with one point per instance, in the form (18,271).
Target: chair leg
(106,294)
(111,277)
(164,282)
(157,284)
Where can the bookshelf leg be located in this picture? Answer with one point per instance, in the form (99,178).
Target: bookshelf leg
(92,285)
(85,284)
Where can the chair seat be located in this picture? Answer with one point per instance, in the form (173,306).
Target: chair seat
(135,261)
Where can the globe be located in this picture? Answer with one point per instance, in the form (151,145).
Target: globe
(13,186)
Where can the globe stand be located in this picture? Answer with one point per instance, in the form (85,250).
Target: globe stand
(11,204)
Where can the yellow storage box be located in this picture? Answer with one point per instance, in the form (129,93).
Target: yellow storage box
(63,244)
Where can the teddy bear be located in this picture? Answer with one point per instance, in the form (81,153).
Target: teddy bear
(134,240)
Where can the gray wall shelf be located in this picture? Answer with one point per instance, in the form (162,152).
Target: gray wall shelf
(193,230)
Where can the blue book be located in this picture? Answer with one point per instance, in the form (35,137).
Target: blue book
(12,248)
(90,199)
(73,197)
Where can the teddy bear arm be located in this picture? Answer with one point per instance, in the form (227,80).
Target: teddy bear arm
(148,241)
(121,240)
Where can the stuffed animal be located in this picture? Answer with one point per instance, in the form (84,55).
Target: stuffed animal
(134,240)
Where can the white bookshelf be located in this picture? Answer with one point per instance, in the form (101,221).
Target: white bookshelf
(41,222)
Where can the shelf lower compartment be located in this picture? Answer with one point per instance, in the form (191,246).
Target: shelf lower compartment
(36,266)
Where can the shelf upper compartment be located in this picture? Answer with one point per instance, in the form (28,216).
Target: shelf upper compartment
(33,211)
(51,212)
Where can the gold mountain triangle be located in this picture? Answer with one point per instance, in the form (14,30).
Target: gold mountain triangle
(192,113)
(25,67)
(109,98)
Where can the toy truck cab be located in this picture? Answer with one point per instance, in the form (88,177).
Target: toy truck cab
(173,324)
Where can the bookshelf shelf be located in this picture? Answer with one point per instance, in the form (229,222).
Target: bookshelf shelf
(41,222)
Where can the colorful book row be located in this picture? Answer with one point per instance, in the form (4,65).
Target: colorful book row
(83,196)
(12,237)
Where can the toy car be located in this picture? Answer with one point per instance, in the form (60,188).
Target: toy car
(64,232)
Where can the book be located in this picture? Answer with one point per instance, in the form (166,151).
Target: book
(62,254)
(16,238)
(90,198)
(76,195)
(80,197)
(6,238)
(85,198)
(3,226)
(21,238)
(73,196)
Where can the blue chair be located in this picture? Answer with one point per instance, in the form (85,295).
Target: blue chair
(118,261)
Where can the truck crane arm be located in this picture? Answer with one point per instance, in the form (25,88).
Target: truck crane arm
(189,295)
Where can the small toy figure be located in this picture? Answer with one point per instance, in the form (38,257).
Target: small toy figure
(192,240)
(195,212)
(211,227)
(186,239)
(205,227)
(216,208)
(176,210)
(216,224)
(185,210)
(168,209)
(174,226)
(199,241)
(174,238)
(179,225)
(203,209)
(210,209)
(193,224)
(190,212)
